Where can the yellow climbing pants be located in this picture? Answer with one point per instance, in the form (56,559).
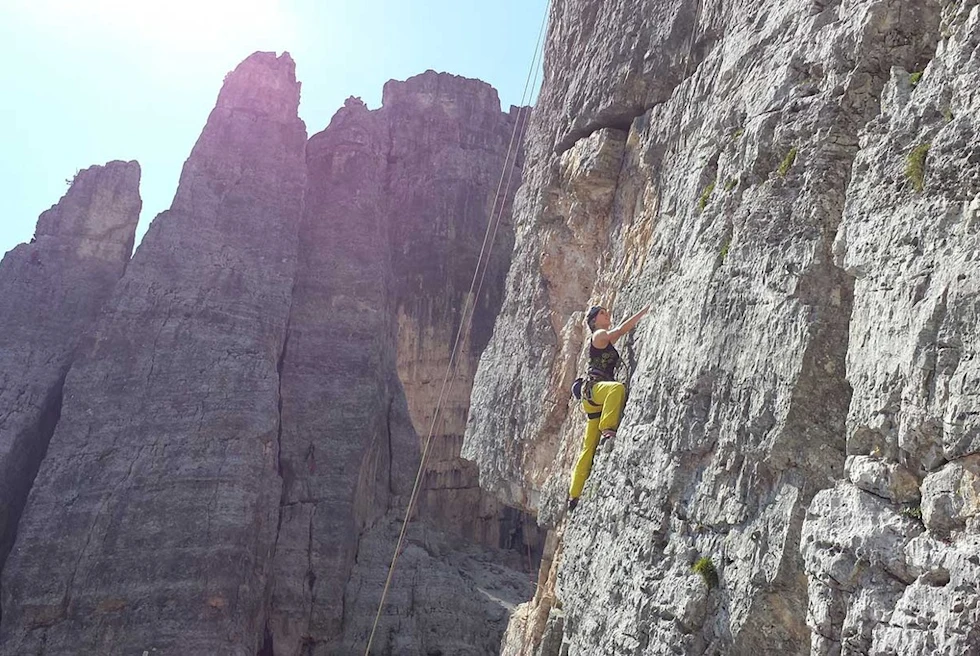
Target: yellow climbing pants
(610,396)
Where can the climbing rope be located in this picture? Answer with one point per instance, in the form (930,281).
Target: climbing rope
(469,302)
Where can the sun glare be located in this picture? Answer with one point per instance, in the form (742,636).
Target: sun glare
(195,28)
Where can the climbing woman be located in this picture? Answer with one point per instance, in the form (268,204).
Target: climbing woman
(602,396)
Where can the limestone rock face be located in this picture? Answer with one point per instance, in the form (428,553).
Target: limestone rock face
(447,596)
(742,170)
(236,452)
(51,291)
(151,522)
(910,238)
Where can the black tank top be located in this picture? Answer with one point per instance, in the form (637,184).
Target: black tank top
(602,362)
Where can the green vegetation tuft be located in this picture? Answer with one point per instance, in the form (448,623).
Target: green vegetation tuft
(706,569)
(915,167)
(706,194)
(731,184)
(913,510)
(738,134)
(915,77)
(724,249)
(787,162)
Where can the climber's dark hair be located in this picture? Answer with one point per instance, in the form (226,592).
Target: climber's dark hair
(591,315)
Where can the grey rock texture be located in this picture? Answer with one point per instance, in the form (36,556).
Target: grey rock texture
(854,551)
(913,366)
(741,168)
(51,292)
(151,522)
(448,596)
(889,480)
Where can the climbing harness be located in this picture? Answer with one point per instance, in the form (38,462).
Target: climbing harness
(470,303)
(602,363)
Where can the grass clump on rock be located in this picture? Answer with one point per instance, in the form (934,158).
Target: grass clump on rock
(706,194)
(915,167)
(706,569)
(912,510)
(915,77)
(787,162)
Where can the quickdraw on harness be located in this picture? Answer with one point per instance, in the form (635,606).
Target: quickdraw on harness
(582,390)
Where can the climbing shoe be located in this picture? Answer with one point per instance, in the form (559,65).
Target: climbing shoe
(572,502)
(605,442)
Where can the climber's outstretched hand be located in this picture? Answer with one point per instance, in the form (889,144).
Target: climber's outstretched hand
(615,333)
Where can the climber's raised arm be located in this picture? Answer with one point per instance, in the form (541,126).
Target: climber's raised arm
(602,337)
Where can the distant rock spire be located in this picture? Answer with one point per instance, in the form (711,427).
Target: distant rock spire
(51,291)
(153,517)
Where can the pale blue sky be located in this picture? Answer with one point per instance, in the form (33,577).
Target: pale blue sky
(88,81)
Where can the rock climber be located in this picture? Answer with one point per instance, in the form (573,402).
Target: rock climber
(602,395)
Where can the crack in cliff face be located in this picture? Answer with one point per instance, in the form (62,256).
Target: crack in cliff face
(25,468)
(268,644)
(268,648)
(391,454)
(279,370)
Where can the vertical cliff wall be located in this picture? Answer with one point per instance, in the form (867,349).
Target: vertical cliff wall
(891,550)
(449,142)
(341,427)
(755,174)
(396,208)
